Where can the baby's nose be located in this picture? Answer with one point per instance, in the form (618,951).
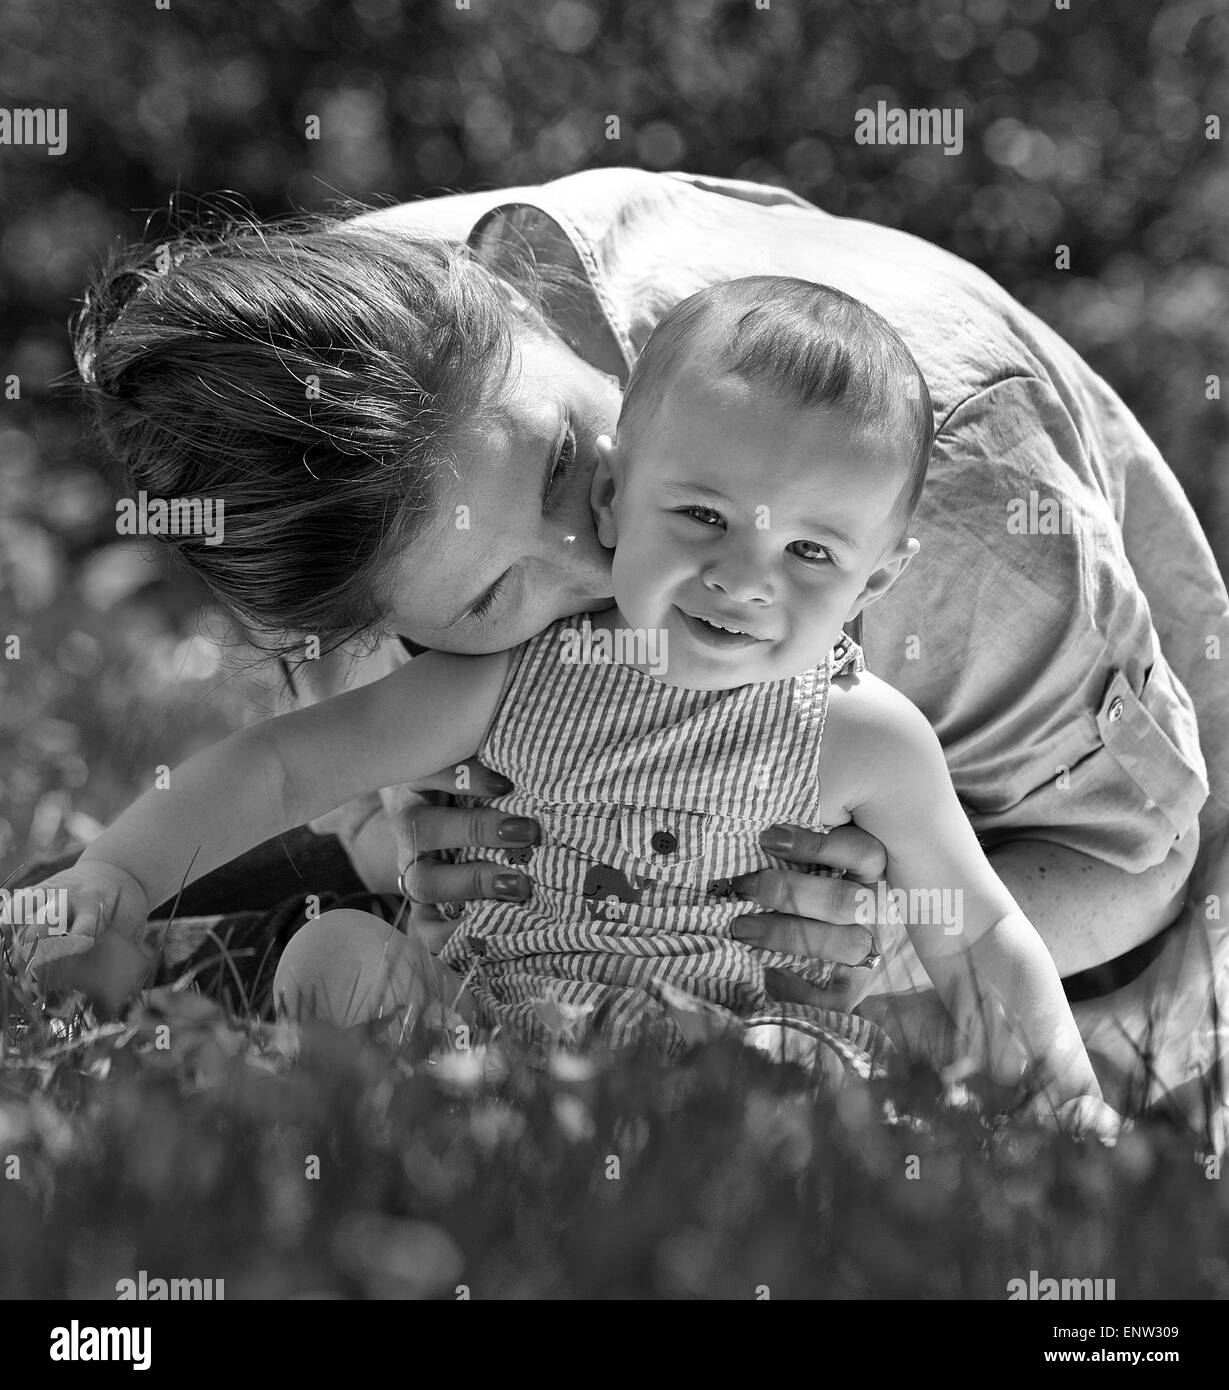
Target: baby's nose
(739,581)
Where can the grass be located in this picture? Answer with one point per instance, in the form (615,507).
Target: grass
(189,1141)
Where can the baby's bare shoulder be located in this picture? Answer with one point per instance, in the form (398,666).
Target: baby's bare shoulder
(861,706)
(870,726)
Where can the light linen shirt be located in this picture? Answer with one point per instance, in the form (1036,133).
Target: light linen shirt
(1065,600)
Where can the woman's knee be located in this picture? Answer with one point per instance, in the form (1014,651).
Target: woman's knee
(348,968)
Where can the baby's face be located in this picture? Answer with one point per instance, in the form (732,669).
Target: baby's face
(747,530)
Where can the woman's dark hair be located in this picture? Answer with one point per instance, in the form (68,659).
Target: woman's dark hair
(312,377)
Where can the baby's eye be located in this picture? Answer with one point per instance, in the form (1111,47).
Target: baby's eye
(704,515)
(809,550)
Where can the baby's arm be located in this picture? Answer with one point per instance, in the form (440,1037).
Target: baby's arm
(281,773)
(986,950)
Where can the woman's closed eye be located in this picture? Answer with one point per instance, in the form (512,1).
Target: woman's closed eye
(485,602)
(562,467)
(483,605)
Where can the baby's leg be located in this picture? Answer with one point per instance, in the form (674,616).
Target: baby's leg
(350,969)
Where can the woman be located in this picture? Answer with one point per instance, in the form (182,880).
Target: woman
(335,389)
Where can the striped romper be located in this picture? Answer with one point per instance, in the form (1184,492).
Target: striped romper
(651,799)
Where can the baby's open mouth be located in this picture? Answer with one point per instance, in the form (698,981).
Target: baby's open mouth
(717,632)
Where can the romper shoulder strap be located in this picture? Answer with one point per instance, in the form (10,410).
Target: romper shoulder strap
(847,657)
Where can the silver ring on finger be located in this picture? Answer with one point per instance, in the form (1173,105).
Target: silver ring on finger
(871,959)
(403,886)
(449,911)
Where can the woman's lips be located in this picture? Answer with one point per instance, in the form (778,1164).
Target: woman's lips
(716,637)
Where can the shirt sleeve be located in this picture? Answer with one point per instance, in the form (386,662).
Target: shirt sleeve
(1022,633)
(450,215)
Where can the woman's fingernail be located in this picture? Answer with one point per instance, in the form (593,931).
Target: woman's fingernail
(778,839)
(517,830)
(748,930)
(500,786)
(512,888)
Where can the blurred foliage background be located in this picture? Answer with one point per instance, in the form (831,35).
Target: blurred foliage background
(1083,126)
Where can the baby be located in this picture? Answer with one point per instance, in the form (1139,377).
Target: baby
(771,450)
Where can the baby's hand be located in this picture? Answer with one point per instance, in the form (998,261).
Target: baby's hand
(78,930)
(1083,1117)
(65,913)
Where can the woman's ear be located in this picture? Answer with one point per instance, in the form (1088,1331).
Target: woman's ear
(605,489)
(886,573)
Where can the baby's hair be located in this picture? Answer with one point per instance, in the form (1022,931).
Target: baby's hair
(810,345)
(313,376)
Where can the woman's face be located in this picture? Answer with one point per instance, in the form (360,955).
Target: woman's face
(512,546)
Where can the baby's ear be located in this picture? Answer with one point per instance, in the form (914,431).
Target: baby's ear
(885,574)
(605,489)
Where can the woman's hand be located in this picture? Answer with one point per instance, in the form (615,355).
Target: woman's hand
(424,823)
(810,914)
